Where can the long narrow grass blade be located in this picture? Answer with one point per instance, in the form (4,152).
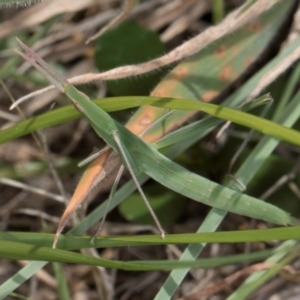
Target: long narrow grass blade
(22,251)
(63,290)
(75,242)
(68,113)
(225,113)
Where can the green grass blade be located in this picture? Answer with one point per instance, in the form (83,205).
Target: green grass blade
(71,242)
(288,91)
(208,123)
(21,251)
(210,224)
(218,10)
(18,296)
(262,151)
(63,290)
(224,113)
(20,277)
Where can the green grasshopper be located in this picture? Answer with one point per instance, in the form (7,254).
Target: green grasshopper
(139,156)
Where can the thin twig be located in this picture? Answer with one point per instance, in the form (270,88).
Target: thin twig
(9,117)
(38,213)
(128,7)
(52,168)
(31,189)
(20,112)
(227,281)
(281,181)
(12,203)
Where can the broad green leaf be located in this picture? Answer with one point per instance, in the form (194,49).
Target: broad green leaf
(166,205)
(129,44)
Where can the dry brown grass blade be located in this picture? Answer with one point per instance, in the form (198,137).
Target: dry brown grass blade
(79,196)
(181,23)
(274,73)
(40,140)
(35,190)
(128,7)
(166,14)
(41,12)
(235,20)
(211,290)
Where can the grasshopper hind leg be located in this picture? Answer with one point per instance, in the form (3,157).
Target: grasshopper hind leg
(112,192)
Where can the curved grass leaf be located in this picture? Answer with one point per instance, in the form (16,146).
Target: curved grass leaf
(22,251)
(111,104)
